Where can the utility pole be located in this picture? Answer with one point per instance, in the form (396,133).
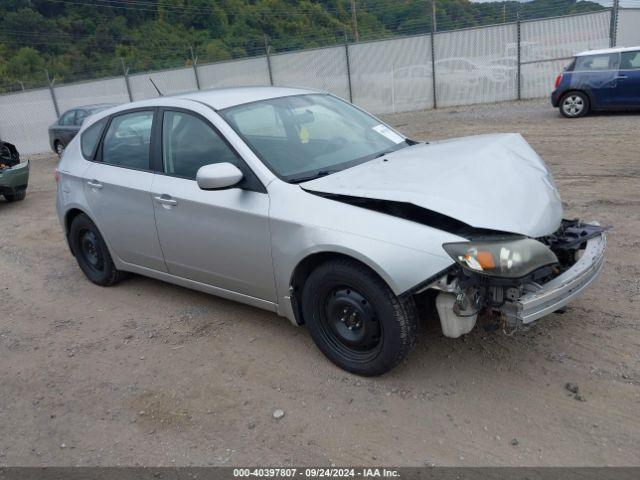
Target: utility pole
(354,20)
(504,13)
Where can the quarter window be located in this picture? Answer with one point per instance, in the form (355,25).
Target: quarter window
(90,138)
(68,118)
(597,62)
(189,143)
(127,141)
(630,61)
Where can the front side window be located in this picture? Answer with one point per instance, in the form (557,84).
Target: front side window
(127,141)
(304,136)
(607,61)
(189,143)
(630,61)
(68,118)
(90,138)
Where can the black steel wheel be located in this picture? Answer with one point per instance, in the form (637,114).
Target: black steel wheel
(350,323)
(355,319)
(91,252)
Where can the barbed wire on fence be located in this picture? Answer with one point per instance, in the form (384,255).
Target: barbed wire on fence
(391,74)
(168,56)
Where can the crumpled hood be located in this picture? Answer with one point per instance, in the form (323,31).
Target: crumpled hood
(495,182)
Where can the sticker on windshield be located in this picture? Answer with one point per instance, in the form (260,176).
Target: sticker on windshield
(304,134)
(388,133)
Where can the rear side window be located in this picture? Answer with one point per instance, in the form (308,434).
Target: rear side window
(607,61)
(90,138)
(630,61)
(127,141)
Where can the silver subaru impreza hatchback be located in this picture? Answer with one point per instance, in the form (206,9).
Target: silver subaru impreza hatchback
(297,202)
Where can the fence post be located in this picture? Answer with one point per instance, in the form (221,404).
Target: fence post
(433,56)
(519,72)
(194,62)
(613,26)
(267,49)
(53,93)
(125,73)
(346,52)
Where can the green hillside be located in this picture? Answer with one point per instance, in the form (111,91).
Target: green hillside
(80,39)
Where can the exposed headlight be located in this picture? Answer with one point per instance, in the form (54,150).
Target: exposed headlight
(501,258)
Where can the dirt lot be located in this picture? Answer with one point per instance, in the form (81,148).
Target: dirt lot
(153,374)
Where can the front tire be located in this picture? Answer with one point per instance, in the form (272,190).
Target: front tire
(91,252)
(574,105)
(355,319)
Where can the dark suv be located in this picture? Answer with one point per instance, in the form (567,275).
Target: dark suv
(599,80)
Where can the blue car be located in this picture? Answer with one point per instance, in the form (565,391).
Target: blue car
(599,80)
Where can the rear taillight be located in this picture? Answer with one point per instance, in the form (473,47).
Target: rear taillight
(56,175)
(558,80)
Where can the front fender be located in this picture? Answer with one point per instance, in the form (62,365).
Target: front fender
(403,253)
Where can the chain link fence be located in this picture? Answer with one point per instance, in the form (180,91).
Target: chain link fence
(511,61)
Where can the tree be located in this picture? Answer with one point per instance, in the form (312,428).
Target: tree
(26,65)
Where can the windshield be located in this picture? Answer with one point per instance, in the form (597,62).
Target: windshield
(306,136)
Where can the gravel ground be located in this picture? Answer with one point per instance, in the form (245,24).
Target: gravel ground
(152,374)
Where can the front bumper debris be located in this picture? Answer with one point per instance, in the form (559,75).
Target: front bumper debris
(557,293)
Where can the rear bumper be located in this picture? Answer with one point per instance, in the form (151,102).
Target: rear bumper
(561,290)
(555,98)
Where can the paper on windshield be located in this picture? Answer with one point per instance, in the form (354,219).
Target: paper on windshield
(388,133)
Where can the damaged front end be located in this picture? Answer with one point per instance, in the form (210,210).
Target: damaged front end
(517,279)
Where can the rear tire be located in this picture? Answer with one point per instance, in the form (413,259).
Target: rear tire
(91,252)
(16,197)
(355,319)
(574,105)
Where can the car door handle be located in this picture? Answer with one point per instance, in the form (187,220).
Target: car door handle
(165,200)
(94,184)
(620,77)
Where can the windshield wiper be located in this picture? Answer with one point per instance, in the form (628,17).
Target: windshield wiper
(318,174)
(395,148)
(384,152)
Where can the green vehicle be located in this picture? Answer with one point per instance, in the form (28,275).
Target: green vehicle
(14,174)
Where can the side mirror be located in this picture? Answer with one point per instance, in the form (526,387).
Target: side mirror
(218,175)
